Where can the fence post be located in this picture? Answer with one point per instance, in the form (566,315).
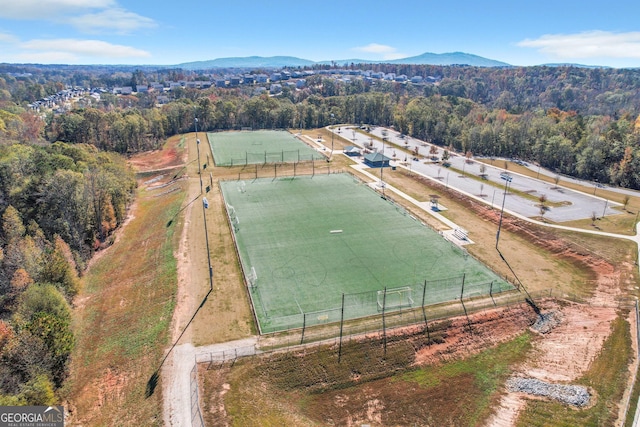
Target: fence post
(341,324)
(384,328)
(424,313)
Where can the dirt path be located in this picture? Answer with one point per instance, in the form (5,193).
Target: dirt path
(181,358)
(565,353)
(193,314)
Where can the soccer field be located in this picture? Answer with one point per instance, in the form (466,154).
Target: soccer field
(258,147)
(306,241)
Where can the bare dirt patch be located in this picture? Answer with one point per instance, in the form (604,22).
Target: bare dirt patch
(468,336)
(170,156)
(567,351)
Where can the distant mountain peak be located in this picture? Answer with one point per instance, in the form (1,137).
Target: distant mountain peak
(452,58)
(428,58)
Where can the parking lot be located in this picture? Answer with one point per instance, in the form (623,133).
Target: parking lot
(524,193)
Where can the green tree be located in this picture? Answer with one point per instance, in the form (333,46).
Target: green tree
(38,391)
(445,157)
(12,225)
(60,268)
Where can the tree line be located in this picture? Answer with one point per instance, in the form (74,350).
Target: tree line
(58,204)
(577,121)
(595,147)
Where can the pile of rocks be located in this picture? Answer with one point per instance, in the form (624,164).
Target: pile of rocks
(575,395)
(547,321)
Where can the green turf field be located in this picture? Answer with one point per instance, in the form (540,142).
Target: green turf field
(311,239)
(258,147)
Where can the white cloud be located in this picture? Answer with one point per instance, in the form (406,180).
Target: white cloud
(387,52)
(376,48)
(120,20)
(7,38)
(89,16)
(591,44)
(87,48)
(47,9)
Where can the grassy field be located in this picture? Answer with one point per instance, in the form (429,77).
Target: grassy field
(538,268)
(122,319)
(311,388)
(311,240)
(258,147)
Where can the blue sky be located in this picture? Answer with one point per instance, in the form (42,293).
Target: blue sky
(167,33)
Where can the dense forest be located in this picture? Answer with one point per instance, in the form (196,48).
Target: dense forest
(58,204)
(577,121)
(65,186)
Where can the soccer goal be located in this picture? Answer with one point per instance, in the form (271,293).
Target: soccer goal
(395,299)
(231,210)
(252,277)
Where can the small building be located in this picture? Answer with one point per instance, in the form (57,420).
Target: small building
(275,89)
(352,151)
(376,160)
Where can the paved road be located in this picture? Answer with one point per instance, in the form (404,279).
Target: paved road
(564,204)
(177,373)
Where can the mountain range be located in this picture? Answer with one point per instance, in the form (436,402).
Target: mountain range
(453,58)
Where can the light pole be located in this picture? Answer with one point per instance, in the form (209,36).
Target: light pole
(195,120)
(333,125)
(504,198)
(205,205)
(382,168)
